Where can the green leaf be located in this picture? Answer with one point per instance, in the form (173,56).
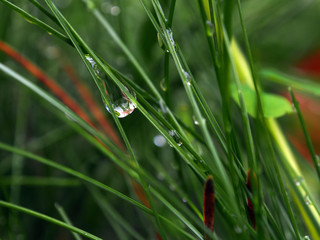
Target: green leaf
(274,106)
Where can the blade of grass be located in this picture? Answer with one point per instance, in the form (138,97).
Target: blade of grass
(315,159)
(48,219)
(65,218)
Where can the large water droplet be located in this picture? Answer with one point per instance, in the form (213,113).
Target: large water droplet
(175,135)
(120,103)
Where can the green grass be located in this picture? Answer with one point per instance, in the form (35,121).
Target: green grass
(210,93)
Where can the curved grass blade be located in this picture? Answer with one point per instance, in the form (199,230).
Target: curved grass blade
(48,219)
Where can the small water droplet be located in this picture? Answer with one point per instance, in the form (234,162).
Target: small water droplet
(159,141)
(238,229)
(163,107)
(184,200)
(307,200)
(115,10)
(294,108)
(120,103)
(175,135)
(163,85)
(306,237)
(187,76)
(211,29)
(195,121)
(169,31)
(297,181)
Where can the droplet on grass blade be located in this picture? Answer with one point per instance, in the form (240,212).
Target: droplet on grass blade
(120,103)
(176,137)
(159,141)
(163,84)
(187,76)
(208,204)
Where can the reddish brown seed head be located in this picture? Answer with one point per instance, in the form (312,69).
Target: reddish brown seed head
(250,204)
(208,203)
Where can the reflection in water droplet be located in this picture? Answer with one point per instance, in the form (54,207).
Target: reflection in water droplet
(175,135)
(159,141)
(120,103)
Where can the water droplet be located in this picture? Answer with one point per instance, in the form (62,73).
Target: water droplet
(115,10)
(195,121)
(163,85)
(306,237)
(184,200)
(175,135)
(211,29)
(159,141)
(187,76)
(169,31)
(120,103)
(307,200)
(163,107)
(294,108)
(297,181)
(238,229)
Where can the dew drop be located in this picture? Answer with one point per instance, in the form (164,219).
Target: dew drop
(163,85)
(210,28)
(184,200)
(297,181)
(175,136)
(195,121)
(169,31)
(159,141)
(307,200)
(120,103)
(306,237)
(187,76)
